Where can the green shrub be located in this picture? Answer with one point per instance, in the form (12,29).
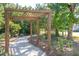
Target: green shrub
(64,43)
(14,28)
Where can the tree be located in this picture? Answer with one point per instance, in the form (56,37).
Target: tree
(60,12)
(2,18)
(72,18)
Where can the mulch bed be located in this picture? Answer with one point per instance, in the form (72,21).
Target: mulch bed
(44,46)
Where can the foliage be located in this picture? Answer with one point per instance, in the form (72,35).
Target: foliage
(24,27)
(63,19)
(60,15)
(14,28)
(1,36)
(1,19)
(64,43)
(1,26)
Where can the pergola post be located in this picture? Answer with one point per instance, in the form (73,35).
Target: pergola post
(37,30)
(49,30)
(6,34)
(31,29)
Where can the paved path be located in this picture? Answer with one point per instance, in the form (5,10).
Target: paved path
(74,34)
(22,47)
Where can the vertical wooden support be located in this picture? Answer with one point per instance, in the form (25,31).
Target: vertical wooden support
(6,34)
(38,32)
(49,30)
(37,25)
(31,29)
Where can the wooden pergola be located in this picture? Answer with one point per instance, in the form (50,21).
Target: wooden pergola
(30,15)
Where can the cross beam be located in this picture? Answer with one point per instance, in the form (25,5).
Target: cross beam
(25,18)
(31,11)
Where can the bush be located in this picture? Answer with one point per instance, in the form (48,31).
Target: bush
(62,42)
(14,28)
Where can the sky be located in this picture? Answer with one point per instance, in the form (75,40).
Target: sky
(34,2)
(41,1)
(28,4)
(24,2)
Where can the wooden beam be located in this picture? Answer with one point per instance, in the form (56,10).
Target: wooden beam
(31,11)
(49,29)
(31,30)
(25,17)
(37,25)
(6,34)
(38,32)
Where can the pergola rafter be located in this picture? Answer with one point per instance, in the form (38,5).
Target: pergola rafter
(25,17)
(30,15)
(46,11)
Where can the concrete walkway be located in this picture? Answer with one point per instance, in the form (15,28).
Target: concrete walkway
(74,34)
(22,47)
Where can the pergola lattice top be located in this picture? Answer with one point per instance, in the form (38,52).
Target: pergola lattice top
(26,14)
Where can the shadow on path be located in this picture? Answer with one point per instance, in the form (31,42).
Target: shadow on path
(22,47)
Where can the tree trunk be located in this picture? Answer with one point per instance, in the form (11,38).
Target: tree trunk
(71,8)
(57,33)
(70,32)
(62,34)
